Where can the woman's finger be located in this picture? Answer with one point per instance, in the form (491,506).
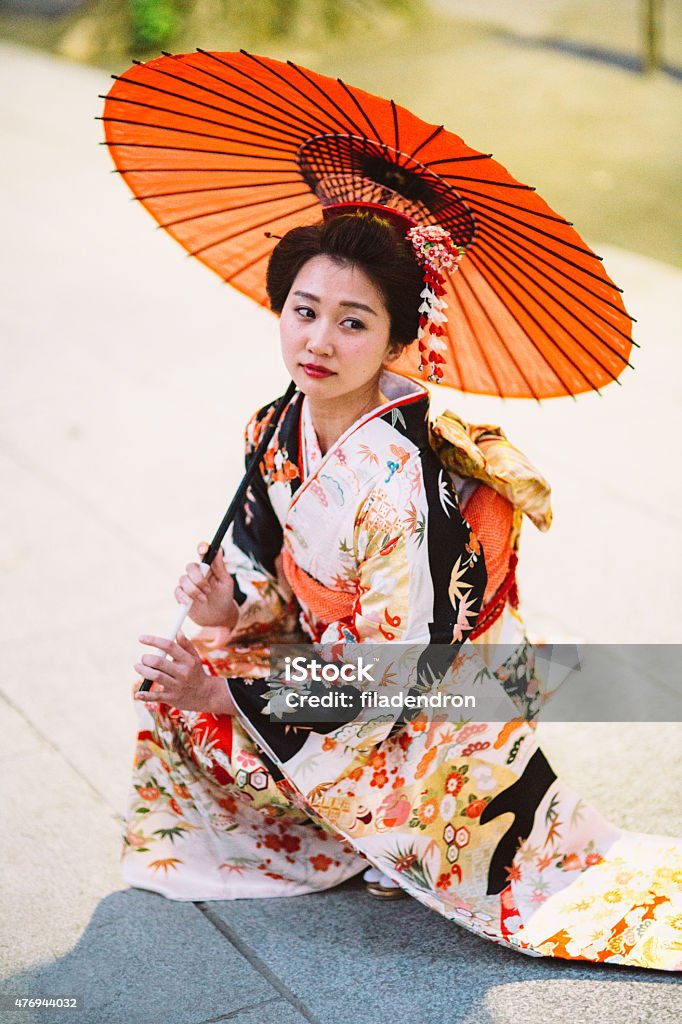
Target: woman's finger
(151,697)
(191,589)
(181,597)
(150,640)
(219,569)
(172,669)
(187,646)
(197,575)
(155,674)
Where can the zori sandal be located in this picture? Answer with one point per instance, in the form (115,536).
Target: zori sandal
(381,887)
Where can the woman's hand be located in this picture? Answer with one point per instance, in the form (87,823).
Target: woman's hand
(211,597)
(181,680)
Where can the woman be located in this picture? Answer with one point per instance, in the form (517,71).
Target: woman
(352,532)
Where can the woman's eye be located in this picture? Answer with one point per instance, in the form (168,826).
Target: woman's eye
(355,325)
(306,312)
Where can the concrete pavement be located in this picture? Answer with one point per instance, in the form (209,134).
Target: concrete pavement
(120,438)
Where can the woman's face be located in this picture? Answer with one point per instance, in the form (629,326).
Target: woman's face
(335,330)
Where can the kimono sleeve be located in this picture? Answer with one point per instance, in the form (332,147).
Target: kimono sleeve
(421,571)
(253,547)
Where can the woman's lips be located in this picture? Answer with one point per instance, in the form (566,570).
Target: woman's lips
(316,371)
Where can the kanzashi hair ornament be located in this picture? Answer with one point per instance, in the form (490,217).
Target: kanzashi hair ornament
(439,255)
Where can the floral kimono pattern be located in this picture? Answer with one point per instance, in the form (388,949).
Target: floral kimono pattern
(370,544)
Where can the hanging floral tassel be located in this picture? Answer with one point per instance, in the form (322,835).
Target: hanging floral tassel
(439,255)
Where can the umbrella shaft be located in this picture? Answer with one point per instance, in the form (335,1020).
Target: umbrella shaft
(235,504)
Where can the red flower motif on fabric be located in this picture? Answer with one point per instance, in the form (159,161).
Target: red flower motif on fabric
(149,793)
(291,843)
(321,862)
(454,783)
(428,811)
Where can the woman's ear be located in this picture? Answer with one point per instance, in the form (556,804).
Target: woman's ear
(394,350)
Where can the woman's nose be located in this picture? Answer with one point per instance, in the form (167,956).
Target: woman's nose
(319,340)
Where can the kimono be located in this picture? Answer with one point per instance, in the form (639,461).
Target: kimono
(373,543)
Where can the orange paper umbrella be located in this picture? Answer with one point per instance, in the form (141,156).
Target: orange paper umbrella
(227,149)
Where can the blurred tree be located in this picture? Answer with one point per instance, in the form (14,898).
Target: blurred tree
(153,23)
(106,30)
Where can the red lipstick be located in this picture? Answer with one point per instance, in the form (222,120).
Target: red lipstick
(316,371)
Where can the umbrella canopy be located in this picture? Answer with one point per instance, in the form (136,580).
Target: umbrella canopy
(226,150)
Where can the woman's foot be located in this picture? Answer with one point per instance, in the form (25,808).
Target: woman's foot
(381,886)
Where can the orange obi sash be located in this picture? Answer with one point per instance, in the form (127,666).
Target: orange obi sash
(325,603)
(490,517)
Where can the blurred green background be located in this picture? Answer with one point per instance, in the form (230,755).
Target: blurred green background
(557,90)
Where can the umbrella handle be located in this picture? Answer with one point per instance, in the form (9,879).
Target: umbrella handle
(232,509)
(177,625)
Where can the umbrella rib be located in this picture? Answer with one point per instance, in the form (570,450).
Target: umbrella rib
(338,172)
(482,307)
(396,131)
(215,188)
(485,181)
(349,92)
(346,119)
(563,326)
(232,209)
(284,130)
(320,126)
(251,227)
(485,269)
(484,261)
(481,348)
(194,117)
(195,170)
(539,231)
(200,135)
(436,131)
(195,149)
(305,123)
(459,159)
(247,266)
(353,166)
(496,241)
(512,206)
(552,252)
(484,233)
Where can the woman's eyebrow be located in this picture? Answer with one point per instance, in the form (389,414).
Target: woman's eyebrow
(358,305)
(346,302)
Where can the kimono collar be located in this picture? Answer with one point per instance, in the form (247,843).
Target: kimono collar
(407,410)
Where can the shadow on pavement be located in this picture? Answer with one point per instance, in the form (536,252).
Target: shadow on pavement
(336,957)
(586,51)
